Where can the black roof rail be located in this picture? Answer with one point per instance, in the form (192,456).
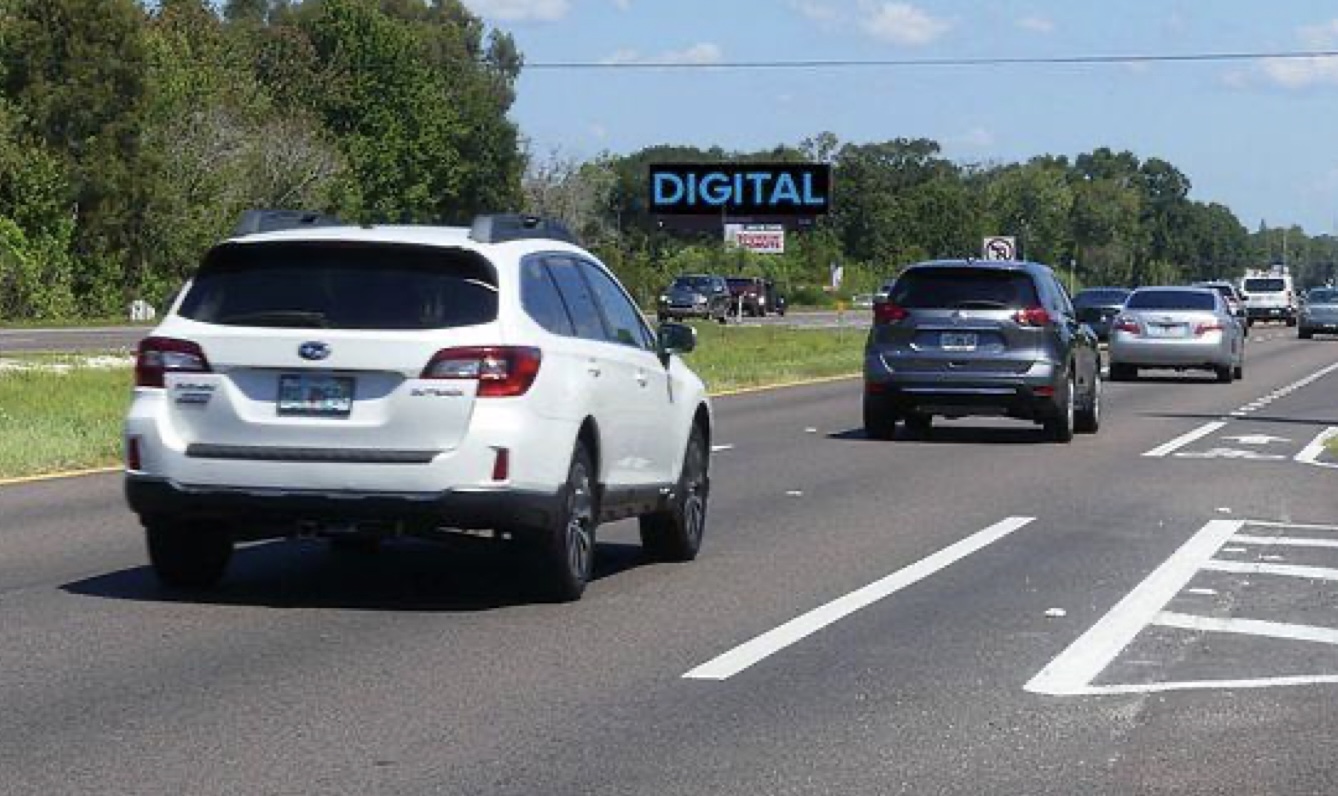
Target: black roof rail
(502,227)
(255,221)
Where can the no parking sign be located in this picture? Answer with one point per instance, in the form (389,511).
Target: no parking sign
(999,248)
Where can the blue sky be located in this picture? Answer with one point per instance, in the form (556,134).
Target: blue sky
(1260,137)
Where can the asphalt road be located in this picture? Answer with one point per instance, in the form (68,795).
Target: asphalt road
(1152,610)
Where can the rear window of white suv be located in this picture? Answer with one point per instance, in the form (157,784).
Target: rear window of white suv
(1265,285)
(342,286)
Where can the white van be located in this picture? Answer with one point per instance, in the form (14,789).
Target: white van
(1269,298)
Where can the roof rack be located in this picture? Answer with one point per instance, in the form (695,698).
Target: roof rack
(502,227)
(255,221)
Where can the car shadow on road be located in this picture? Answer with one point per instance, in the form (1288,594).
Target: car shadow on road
(1191,379)
(404,575)
(939,435)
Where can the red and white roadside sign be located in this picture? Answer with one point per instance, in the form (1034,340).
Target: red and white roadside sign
(760,238)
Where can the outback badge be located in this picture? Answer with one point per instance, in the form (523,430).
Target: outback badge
(314,350)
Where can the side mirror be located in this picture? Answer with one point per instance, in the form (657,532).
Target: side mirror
(676,338)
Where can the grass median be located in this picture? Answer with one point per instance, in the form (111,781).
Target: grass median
(60,413)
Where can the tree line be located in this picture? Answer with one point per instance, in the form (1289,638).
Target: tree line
(133,134)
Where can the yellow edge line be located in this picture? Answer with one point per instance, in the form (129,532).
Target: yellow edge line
(785,385)
(33,479)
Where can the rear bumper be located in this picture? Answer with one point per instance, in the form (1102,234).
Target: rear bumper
(1032,395)
(1269,313)
(1172,353)
(703,311)
(494,509)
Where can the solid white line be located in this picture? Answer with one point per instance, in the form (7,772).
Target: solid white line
(1297,525)
(764,646)
(1310,455)
(1076,667)
(721,448)
(1202,592)
(1285,541)
(1201,685)
(1184,439)
(1248,627)
(1285,570)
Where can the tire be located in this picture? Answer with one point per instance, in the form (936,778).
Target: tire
(675,534)
(661,317)
(563,554)
(1087,420)
(187,556)
(1291,321)
(880,419)
(1060,427)
(919,424)
(1303,333)
(1122,372)
(1224,374)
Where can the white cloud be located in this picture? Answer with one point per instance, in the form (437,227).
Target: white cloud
(1037,24)
(817,11)
(901,23)
(976,138)
(521,10)
(1300,73)
(703,53)
(623,5)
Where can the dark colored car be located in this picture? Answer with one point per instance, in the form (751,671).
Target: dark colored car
(748,294)
(695,296)
(958,338)
(1097,306)
(775,301)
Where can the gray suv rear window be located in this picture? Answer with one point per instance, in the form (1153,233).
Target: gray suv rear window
(342,286)
(1265,285)
(964,288)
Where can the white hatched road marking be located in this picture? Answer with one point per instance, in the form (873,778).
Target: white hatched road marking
(1072,673)
(764,646)
(1185,439)
(1310,455)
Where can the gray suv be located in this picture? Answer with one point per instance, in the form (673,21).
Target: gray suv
(958,338)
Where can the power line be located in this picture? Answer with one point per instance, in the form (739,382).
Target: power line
(1061,60)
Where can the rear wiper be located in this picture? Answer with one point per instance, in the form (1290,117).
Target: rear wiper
(980,304)
(295,318)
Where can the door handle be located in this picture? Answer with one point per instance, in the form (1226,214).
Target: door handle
(642,378)
(593,370)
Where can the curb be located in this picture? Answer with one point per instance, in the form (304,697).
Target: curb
(34,479)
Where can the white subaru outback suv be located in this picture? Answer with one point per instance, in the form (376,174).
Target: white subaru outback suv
(362,382)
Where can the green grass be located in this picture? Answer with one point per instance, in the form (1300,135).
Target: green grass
(1332,446)
(50,422)
(732,357)
(78,323)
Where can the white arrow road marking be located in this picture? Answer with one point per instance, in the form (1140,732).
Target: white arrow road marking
(1255,439)
(1229,453)
(769,643)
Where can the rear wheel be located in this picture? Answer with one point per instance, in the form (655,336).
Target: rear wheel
(1087,420)
(564,553)
(919,424)
(1304,333)
(880,419)
(1060,427)
(675,534)
(1291,321)
(1224,374)
(188,556)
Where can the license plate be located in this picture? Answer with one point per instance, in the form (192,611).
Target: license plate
(1167,330)
(322,396)
(957,341)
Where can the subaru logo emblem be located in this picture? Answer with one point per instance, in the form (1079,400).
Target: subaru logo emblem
(313,350)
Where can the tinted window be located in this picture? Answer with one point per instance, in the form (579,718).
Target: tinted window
(701,283)
(1171,300)
(1100,298)
(578,298)
(964,288)
(1265,285)
(623,318)
(1323,296)
(342,286)
(541,300)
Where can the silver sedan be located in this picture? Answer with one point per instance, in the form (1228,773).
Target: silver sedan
(1319,314)
(1185,328)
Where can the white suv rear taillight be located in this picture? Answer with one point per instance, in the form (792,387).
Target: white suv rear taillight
(158,356)
(501,371)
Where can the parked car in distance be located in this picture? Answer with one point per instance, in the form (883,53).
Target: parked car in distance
(747,296)
(1185,328)
(775,299)
(958,338)
(363,382)
(1096,306)
(695,296)
(1319,313)
(1269,298)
